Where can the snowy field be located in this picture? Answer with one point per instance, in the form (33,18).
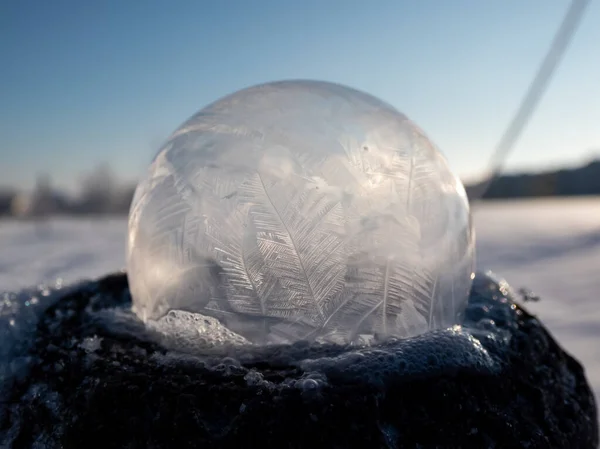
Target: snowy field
(549,246)
(553,248)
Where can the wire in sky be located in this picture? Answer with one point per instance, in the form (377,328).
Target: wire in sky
(534,93)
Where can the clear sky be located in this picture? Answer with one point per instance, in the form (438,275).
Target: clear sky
(86,82)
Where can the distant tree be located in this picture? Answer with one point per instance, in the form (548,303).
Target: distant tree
(6,198)
(42,200)
(122,200)
(97,191)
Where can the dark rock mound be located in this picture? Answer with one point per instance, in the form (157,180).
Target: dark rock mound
(94,377)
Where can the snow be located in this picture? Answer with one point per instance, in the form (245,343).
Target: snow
(553,248)
(549,246)
(40,252)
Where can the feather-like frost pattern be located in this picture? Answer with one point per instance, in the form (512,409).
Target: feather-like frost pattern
(378,281)
(300,234)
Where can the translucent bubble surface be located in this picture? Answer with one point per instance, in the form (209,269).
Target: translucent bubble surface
(302,210)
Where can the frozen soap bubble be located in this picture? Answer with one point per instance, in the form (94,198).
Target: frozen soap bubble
(302,210)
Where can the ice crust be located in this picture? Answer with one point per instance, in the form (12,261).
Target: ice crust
(446,350)
(302,210)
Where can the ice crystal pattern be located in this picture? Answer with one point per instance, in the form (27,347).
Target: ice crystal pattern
(302,210)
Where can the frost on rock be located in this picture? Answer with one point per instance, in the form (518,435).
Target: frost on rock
(91,344)
(301,210)
(19,315)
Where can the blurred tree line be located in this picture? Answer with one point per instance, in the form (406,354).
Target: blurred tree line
(564,182)
(100,193)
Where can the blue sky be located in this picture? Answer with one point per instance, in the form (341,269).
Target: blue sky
(85,82)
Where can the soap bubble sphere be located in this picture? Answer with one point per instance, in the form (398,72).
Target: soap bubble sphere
(302,210)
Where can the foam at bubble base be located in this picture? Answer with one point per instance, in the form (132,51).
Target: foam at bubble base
(476,346)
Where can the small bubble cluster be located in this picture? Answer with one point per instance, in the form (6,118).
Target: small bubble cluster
(186,331)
